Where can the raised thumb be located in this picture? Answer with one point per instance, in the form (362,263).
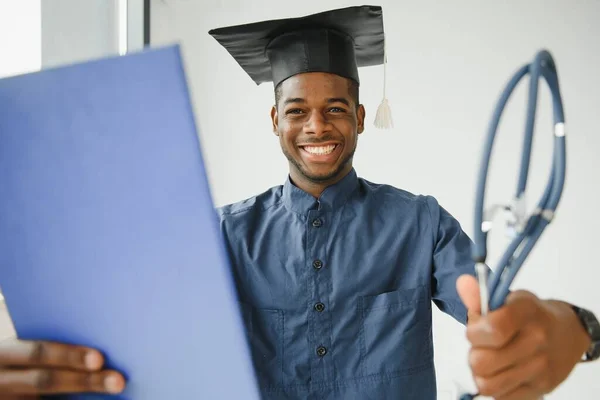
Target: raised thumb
(468,290)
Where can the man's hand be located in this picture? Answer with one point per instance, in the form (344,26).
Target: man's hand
(43,368)
(526,348)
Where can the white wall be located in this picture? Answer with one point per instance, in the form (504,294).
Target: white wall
(448,62)
(21,20)
(74,30)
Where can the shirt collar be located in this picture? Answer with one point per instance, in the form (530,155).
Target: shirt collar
(334,196)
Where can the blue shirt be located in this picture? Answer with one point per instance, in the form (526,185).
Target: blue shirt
(337,292)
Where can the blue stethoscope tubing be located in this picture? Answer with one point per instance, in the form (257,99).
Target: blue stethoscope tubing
(517,251)
(498,286)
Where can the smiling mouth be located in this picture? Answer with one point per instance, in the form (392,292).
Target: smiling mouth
(320,150)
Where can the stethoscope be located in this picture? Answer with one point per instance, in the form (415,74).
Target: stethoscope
(524,230)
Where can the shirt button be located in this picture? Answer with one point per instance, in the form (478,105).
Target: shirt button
(321,351)
(320,307)
(317,222)
(317,264)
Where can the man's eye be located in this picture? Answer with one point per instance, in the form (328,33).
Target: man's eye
(294,111)
(337,110)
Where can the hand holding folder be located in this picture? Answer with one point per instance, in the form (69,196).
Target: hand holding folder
(45,368)
(109,238)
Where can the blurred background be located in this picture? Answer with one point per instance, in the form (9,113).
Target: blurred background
(447,64)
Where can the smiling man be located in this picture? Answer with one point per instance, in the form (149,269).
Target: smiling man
(336,275)
(324,155)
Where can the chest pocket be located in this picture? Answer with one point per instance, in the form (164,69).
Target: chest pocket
(264,330)
(396,337)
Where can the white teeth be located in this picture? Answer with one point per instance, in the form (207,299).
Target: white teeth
(320,150)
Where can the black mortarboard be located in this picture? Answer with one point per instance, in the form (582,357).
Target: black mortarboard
(337,41)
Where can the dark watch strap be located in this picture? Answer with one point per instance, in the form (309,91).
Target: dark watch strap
(592,327)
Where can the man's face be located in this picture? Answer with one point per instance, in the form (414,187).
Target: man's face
(318,123)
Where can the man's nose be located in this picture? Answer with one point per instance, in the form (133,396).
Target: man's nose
(317,124)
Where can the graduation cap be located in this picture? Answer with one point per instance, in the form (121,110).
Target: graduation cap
(337,41)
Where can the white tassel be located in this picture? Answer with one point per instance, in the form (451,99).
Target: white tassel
(383,117)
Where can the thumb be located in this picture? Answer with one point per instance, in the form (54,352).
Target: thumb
(468,290)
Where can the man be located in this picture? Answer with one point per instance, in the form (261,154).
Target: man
(336,274)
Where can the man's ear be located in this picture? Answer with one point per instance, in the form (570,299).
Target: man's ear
(275,120)
(360,116)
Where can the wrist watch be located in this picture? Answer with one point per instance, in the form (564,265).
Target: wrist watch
(592,327)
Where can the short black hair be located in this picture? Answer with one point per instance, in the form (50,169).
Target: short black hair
(353,90)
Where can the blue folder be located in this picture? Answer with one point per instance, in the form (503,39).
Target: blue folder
(108,234)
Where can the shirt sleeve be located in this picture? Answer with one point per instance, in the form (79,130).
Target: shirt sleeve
(451,259)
